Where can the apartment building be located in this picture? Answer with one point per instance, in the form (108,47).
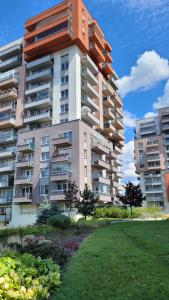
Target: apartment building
(68,119)
(152,158)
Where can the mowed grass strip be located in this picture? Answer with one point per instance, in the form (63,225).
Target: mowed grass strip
(120,261)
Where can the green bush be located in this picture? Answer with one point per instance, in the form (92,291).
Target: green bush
(116,212)
(45,251)
(47,212)
(25,277)
(21,231)
(60,221)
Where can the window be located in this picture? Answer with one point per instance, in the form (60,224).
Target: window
(52,31)
(44,190)
(61,186)
(64,120)
(85,171)
(64,94)
(64,79)
(64,108)
(45,140)
(64,66)
(45,156)
(85,154)
(44,172)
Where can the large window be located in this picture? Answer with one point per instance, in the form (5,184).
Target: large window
(52,31)
(64,94)
(44,156)
(44,190)
(64,108)
(44,172)
(45,140)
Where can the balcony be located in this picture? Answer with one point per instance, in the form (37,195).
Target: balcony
(8,108)
(101,164)
(8,95)
(104,198)
(6,199)
(62,142)
(7,154)
(154,167)
(8,80)
(88,117)
(117,150)
(99,148)
(117,100)
(165,127)
(109,128)
(39,76)
(7,167)
(108,90)
(119,112)
(111,155)
(117,136)
(38,88)
(108,57)
(60,176)
(27,164)
(7,122)
(108,102)
(97,38)
(23,180)
(90,103)
(61,158)
(57,196)
(118,124)
(37,64)
(27,198)
(153,159)
(114,82)
(48,38)
(107,69)
(39,103)
(88,62)
(7,137)
(10,63)
(115,184)
(40,117)
(89,76)
(89,90)
(97,53)
(27,148)
(108,114)
(11,49)
(100,179)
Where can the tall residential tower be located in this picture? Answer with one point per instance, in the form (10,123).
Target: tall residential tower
(68,122)
(152,157)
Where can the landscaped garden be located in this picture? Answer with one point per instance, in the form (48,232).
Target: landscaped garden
(96,257)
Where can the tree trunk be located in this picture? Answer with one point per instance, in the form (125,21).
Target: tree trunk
(131,208)
(85,217)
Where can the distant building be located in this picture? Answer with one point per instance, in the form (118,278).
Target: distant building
(152,157)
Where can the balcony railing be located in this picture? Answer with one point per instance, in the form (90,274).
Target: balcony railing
(8,75)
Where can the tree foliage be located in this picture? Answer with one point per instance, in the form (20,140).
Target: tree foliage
(133,196)
(71,195)
(86,203)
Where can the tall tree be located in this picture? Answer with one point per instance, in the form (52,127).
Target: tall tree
(133,196)
(86,203)
(71,196)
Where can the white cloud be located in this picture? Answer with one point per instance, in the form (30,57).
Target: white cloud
(163,101)
(150,114)
(129,119)
(150,69)
(128,169)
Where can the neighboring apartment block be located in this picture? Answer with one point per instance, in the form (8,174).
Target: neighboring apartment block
(152,157)
(64,117)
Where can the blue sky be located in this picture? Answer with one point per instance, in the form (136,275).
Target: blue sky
(136,29)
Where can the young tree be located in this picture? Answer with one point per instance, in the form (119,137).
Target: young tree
(132,197)
(86,203)
(71,195)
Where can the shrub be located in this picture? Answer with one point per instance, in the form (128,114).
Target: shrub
(47,212)
(116,212)
(60,221)
(26,277)
(46,250)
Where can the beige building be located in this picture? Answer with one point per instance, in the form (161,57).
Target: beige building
(68,120)
(152,157)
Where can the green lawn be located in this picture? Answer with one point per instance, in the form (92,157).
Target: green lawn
(120,261)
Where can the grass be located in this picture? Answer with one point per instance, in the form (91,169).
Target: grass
(123,261)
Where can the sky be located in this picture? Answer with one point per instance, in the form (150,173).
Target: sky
(138,31)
